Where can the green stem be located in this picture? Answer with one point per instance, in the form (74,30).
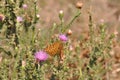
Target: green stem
(72,20)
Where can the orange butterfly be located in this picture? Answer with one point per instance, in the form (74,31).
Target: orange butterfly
(55,48)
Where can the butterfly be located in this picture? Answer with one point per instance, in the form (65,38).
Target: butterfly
(55,48)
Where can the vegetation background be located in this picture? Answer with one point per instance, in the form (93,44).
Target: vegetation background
(95,34)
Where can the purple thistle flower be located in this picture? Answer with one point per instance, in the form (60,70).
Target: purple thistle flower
(19,19)
(24,6)
(41,56)
(63,37)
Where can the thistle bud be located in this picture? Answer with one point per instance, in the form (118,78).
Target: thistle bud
(1,58)
(61,14)
(23,63)
(2,17)
(38,16)
(19,19)
(25,6)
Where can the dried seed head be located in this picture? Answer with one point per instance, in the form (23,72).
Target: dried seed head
(79,5)
(69,32)
(85,53)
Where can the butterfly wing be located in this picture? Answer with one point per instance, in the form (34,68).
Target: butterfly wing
(55,48)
